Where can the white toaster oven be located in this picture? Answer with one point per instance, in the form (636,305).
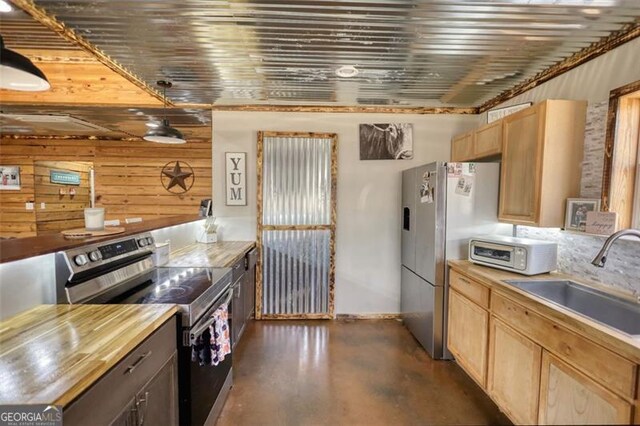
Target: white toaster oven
(522,255)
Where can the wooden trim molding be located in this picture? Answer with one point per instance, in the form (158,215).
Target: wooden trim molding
(344,109)
(618,175)
(351,317)
(41,16)
(71,137)
(627,33)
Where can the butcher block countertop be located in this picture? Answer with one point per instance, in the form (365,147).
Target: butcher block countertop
(52,353)
(617,341)
(217,255)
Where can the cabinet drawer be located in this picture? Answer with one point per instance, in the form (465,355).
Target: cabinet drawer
(611,370)
(238,270)
(105,399)
(475,291)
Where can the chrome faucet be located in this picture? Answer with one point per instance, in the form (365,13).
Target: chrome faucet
(601,257)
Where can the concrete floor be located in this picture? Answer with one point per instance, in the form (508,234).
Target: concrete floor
(347,373)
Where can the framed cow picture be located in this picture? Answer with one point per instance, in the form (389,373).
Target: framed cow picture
(386,141)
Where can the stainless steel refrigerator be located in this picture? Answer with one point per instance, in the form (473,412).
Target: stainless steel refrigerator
(443,205)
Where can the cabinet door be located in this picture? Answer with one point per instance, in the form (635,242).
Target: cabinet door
(128,416)
(514,373)
(569,397)
(468,335)
(488,140)
(237,311)
(157,402)
(462,147)
(521,170)
(249,292)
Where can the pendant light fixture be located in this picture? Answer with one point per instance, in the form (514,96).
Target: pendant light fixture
(17,72)
(164,133)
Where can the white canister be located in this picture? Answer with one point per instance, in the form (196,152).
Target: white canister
(94,219)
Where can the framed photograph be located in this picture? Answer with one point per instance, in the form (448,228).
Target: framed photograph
(10,178)
(576,215)
(236,178)
(498,113)
(386,141)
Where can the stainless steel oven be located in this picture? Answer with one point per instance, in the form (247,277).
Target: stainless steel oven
(121,271)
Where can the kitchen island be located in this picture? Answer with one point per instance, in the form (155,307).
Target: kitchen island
(51,354)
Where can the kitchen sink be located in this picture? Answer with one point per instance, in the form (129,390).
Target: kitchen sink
(609,310)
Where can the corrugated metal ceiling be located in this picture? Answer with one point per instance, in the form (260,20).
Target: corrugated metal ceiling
(408,52)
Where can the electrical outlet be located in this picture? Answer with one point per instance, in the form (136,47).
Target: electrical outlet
(43,206)
(29,205)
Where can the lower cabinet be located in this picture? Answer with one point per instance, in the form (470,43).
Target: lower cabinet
(569,397)
(468,335)
(142,389)
(514,372)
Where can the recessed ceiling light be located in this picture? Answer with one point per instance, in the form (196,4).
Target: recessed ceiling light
(347,71)
(591,11)
(5,7)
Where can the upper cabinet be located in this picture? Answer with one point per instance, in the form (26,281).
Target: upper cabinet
(462,147)
(481,143)
(542,154)
(542,150)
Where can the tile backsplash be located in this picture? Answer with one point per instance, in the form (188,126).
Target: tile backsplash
(575,250)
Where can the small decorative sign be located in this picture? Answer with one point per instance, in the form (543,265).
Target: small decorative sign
(236,178)
(64,177)
(500,113)
(10,178)
(601,223)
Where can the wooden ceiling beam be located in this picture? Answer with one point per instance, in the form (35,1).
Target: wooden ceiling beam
(41,16)
(345,109)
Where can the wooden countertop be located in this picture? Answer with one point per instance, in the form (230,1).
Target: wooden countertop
(619,342)
(52,353)
(22,248)
(217,255)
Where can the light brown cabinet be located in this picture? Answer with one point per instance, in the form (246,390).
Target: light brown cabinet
(514,372)
(468,335)
(462,147)
(569,397)
(488,140)
(542,152)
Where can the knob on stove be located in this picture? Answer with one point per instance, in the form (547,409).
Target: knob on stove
(81,260)
(94,256)
(142,242)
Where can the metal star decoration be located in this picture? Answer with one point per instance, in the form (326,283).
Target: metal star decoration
(177,176)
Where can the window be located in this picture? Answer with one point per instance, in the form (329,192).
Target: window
(621,180)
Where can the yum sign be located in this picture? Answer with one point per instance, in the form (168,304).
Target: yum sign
(236,178)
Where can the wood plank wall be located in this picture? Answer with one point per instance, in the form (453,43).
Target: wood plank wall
(62,211)
(127,177)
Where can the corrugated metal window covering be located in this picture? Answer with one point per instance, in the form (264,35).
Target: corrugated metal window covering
(297,181)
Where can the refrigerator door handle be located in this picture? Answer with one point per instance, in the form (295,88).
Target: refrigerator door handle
(406,219)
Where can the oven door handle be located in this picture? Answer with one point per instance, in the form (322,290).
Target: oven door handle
(208,319)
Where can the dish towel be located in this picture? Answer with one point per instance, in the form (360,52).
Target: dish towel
(220,342)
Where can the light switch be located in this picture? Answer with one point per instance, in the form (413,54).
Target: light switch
(42,206)
(29,205)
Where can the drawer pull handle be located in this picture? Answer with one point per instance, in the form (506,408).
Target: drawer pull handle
(464,280)
(137,363)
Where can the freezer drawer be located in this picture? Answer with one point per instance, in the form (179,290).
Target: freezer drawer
(422,307)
